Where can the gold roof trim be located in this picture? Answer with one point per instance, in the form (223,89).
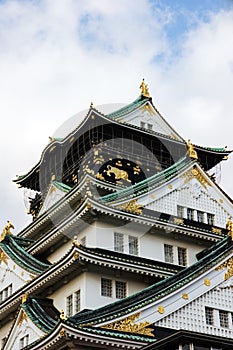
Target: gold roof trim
(128,324)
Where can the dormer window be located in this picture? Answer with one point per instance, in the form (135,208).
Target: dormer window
(210,219)
(200,216)
(146,125)
(190,214)
(6,292)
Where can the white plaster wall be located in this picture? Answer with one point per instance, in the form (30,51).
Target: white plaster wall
(93,289)
(57,254)
(60,295)
(192,316)
(89,284)
(152,247)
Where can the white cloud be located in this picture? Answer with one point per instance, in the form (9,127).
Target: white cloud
(58,56)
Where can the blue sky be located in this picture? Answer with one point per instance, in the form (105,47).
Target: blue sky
(58,56)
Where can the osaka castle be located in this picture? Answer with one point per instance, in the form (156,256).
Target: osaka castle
(130,244)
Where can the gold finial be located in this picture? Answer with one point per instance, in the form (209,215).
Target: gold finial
(51,139)
(229,227)
(6,230)
(53,178)
(144,89)
(76,242)
(62,315)
(91,104)
(24,298)
(191,151)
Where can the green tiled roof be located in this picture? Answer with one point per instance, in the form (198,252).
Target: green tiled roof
(20,256)
(150,183)
(129,108)
(42,312)
(119,334)
(214,149)
(156,291)
(61,186)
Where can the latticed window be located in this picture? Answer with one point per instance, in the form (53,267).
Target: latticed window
(143,125)
(150,126)
(210,219)
(168,253)
(69,305)
(180,211)
(77,301)
(133,245)
(200,216)
(118,242)
(120,290)
(182,256)
(209,316)
(6,292)
(73,303)
(190,214)
(223,319)
(106,287)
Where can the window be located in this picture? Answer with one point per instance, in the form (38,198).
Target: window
(106,287)
(133,245)
(69,305)
(149,126)
(120,290)
(118,242)
(180,211)
(23,341)
(168,253)
(190,214)
(223,319)
(210,219)
(77,301)
(182,256)
(209,316)
(6,292)
(146,125)
(73,303)
(200,216)
(83,241)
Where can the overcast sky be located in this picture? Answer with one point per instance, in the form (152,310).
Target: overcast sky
(56,56)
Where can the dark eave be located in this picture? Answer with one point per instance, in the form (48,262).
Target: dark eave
(34,179)
(182,337)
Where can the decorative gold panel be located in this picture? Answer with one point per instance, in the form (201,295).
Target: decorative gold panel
(3,257)
(128,325)
(195,173)
(226,265)
(132,206)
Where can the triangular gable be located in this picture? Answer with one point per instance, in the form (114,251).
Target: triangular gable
(148,117)
(193,189)
(23,332)
(11,273)
(17,265)
(212,310)
(55,192)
